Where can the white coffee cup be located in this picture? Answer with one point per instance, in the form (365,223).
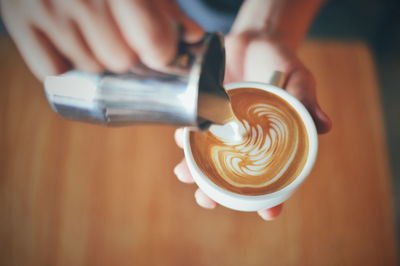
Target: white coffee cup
(254,203)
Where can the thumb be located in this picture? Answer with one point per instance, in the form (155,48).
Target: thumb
(301,84)
(192,32)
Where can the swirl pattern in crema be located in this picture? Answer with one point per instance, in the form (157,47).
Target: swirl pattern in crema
(269,157)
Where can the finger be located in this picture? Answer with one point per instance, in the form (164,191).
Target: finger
(179,137)
(263,58)
(182,172)
(192,32)
(70,42)
(103,37)
(324,124)
(39,53)
(150,32)
(203,200)
(271,213)
(301,84)
(235,52)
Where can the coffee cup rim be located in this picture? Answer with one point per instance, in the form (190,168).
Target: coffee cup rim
(312,147)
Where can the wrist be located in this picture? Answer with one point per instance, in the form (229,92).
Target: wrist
(283,20)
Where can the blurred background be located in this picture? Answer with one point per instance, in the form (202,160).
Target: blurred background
(374,22)
(377,22)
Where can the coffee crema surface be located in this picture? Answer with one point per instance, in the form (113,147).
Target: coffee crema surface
(269,157)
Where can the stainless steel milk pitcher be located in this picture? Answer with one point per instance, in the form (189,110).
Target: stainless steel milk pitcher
(189,92)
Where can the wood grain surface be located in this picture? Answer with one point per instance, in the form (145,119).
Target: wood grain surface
(75,194)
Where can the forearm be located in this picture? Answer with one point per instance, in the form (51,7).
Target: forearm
(287,20)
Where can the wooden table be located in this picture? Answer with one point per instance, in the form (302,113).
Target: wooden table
(75,194)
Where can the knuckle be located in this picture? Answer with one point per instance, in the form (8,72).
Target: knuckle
(158,55)
(78,7)
(141,2)
(160,44)
(88,65)
(308,77)
(121,64)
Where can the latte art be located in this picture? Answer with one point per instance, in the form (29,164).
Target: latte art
(260,153)
(267,158)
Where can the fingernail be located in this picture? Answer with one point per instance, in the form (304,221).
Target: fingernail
(326,124)
(321,114)
(265,216)
(179,137)
(205,202)
(178,173)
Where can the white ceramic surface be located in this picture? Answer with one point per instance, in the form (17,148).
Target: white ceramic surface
(253,203)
